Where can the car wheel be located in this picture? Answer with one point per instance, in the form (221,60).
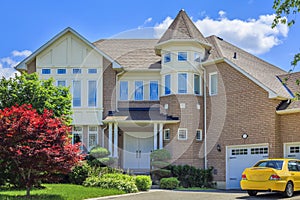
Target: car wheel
(252,192)
(289,189)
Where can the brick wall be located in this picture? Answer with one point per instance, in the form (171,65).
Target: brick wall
(109,86)
(289,128)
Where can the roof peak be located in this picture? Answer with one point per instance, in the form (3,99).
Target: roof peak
(182,28)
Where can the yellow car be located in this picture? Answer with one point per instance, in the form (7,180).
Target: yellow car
(280,175)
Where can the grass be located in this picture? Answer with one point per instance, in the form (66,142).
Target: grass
(59,192)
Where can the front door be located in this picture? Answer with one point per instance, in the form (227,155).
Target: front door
(137,149)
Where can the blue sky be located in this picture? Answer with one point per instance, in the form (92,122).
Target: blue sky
(27,25)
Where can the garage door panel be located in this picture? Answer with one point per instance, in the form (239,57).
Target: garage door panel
(292,150)
(239,159)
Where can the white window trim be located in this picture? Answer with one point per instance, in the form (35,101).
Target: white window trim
(170,55)
(186,131)
(157,90)
(92,132)
(119,96)
(187,56)
(210,75)
(88,93)
(170,88)
(135,89)
(201,135)
(72,89)
(200,85)
(187,82)
(61,80)
(167,129)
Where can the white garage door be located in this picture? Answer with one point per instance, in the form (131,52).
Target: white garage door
(292,150)
(239,158)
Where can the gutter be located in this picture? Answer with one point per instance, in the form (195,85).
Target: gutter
(288,111)
(102,136)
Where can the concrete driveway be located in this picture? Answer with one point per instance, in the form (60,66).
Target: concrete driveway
(207,195)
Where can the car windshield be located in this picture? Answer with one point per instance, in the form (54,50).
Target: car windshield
(276,164)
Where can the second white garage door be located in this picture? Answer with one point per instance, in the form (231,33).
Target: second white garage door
(241,157)
(292,150)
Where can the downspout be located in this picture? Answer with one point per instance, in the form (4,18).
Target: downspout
(204,116)
(102,136)
(117,77)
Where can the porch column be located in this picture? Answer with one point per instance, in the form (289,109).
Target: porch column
(110,138)
(116,140)
(161,126)
(155,137)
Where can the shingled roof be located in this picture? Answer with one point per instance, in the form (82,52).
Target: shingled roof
(182,28)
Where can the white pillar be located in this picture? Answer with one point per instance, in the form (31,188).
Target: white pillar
(116,140)
(110,138)
(161,126)
(155,137)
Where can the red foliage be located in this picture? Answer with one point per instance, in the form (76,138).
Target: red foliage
(36,145)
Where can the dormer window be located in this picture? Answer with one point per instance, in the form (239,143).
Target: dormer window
(167,57)
(182,56)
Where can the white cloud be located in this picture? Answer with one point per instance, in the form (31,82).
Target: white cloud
(23,53)
(148,20)
(253,35)
(7,64)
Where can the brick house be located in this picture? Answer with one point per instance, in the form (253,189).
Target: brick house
(207,101)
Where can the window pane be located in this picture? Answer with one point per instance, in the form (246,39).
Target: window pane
(61,71)
(199,135)
(182,56)
(197,57)
(196,84)
(168,84)
(76,93)
(153,90)
(46,71)
(167,57)
(182,134)
(124,90)
(61,83)
(139,90)
(213,84)
(92,71)
(92,101)
(167,134)
(92,140)
(182,83)
(77,71)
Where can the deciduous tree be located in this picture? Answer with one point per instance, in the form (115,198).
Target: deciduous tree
(35,146)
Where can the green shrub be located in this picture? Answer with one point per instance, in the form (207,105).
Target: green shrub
(159,164)
(106,161)
(169,183)
(190,176)
(99,152)
(160,154)
(121,182)
(161,173)
(79,173)
(143,183)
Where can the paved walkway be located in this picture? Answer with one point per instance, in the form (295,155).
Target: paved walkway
(207,195)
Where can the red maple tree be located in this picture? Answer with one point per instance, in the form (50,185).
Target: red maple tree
(35,146)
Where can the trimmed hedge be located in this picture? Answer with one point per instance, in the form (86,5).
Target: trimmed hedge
(143,183)
(99,152)
(169,183)
(79,173)
(160,155)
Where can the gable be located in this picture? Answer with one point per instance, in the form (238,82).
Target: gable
(68,50)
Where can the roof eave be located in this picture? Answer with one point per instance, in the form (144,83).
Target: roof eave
(23,64)
(288,111)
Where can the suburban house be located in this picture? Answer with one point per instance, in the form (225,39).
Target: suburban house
(210,103)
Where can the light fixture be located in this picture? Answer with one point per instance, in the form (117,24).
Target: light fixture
(245,136)
(219,148)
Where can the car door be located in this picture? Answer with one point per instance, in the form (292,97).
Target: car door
(294,169)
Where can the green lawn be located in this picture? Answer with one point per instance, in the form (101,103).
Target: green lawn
(59,192)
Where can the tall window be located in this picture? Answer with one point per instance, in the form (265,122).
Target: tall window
(93,133)
(167,57)
(61,71)
(123,90)
(139,91)
(167,84)
(153,90)
(182,83)
(182,56)
(213,83)
(197,84)
(77,134)
(166,134)
(92,93)
(61,83)
(76,93)
(199,134)
(46,71)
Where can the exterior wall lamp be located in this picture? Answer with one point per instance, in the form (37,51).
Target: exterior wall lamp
(245,136)
(219,148)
